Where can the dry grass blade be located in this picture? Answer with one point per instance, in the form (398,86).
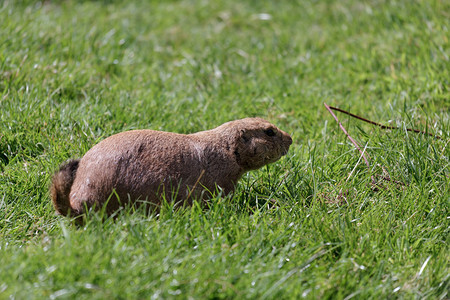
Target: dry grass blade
(349,137)
(385,176)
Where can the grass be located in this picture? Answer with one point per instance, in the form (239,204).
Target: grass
(75,72)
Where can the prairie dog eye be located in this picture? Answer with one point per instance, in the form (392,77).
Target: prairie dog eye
(270,132)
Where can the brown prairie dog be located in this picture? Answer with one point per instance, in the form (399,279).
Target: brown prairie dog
(145,165)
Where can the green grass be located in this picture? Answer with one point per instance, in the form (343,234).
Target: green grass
(75,72)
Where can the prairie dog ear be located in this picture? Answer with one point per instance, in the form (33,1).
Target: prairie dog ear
(245,136)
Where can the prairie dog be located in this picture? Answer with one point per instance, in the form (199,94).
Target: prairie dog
(146,165)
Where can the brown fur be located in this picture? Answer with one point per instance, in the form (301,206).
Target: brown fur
(148,165)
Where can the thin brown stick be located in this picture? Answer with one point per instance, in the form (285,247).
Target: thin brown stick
(375,185)
(380,125)
(349,137)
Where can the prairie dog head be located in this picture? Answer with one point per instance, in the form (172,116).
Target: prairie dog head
(258,142)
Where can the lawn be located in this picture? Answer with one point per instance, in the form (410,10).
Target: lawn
(317,224)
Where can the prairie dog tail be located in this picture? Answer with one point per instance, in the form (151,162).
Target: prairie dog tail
(60,188)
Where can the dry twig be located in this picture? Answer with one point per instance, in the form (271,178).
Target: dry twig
(385,176)
(378,124)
